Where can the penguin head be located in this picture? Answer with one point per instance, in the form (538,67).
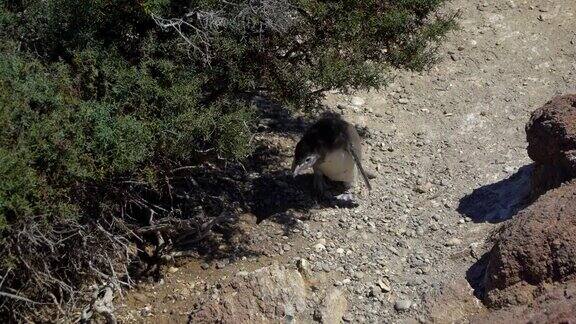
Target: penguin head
(305,156)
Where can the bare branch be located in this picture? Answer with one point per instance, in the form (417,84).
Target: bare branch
(20,298)
(199,27)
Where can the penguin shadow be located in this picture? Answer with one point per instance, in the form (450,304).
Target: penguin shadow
(279,197)
(497,202)
(329,199)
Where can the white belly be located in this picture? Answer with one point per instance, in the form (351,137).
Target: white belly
(339,166)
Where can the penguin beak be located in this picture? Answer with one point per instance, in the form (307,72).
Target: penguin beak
(298,170)
(308,162)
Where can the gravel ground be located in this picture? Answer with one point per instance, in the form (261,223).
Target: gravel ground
(449,152)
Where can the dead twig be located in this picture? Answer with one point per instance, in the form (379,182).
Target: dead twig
(20,298)
(102,303)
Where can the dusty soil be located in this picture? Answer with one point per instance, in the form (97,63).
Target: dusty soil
(449,151)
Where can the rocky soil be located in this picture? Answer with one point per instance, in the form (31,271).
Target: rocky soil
(448,148)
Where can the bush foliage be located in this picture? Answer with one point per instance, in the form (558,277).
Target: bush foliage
(95,94)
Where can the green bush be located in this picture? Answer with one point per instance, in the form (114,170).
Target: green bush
(95,94)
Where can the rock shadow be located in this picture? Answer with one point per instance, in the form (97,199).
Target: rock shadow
(499,201)
(476,276)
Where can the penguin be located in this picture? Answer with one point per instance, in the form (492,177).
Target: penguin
(332,148)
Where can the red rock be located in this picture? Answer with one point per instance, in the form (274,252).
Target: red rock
(554,306)
(536,247)
(551,135)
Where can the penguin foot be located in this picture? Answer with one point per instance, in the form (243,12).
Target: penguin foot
(345,198)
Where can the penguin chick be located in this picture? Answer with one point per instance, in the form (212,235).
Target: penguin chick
(332,148)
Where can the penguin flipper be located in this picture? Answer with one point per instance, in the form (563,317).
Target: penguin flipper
(352,151)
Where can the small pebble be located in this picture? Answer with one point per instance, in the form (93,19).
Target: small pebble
(453,242)
(172,269)
(384,285)
(319,247)
(402,305)
(357,101)
(140,297)
(222,263)
(146,311)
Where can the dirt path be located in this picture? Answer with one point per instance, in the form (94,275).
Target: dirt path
(448,148)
